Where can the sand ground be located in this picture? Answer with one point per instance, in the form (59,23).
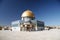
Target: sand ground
(53,34)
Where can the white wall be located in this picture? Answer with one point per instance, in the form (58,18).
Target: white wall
(16,28)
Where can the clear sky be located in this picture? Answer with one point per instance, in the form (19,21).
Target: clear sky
(45,10)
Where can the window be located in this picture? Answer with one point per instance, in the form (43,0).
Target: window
(27,19)
(15,25)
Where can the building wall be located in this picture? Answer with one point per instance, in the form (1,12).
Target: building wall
(15,28)
(40,25)
(15,25)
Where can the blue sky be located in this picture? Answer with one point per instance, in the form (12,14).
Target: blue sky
(45,10)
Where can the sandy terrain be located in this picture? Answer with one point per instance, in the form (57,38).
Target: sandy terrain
(53,34)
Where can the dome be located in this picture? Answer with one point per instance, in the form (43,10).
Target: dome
(27,13)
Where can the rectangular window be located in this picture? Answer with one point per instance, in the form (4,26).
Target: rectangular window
(15,25)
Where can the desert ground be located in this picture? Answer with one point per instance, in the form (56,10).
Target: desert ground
(53,34)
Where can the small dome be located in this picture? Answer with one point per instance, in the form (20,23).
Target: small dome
(27,13)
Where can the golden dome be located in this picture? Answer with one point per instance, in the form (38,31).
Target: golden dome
(27,13)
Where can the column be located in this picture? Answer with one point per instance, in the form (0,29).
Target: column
(36,28)
(25,28)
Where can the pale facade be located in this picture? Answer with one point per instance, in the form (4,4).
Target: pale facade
(15,25)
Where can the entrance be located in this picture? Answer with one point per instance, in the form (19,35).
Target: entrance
(27,27)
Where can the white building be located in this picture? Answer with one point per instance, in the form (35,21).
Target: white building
(27,23)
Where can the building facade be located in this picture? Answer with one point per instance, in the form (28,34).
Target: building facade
(15,25)
(27,23)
